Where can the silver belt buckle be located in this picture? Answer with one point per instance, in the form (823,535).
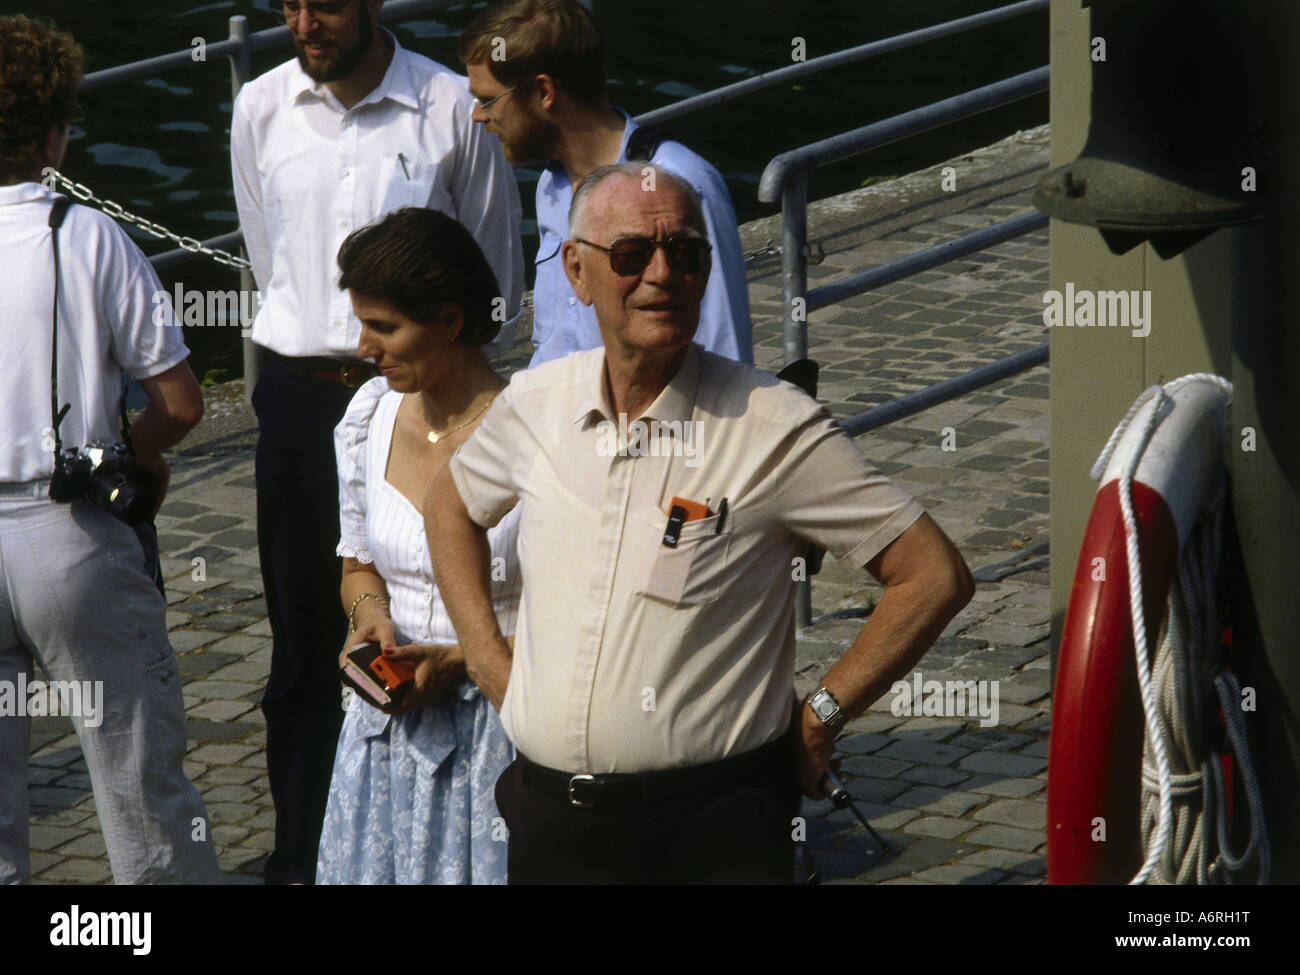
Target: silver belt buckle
(574,800)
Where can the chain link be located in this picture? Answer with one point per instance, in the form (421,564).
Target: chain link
(83,193)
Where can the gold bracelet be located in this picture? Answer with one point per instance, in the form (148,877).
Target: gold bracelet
(352,625)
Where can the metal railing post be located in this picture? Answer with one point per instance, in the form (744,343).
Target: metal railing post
(794,264)
(794,287)
(240,71)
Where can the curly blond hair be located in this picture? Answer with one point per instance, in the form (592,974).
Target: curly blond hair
(40,68)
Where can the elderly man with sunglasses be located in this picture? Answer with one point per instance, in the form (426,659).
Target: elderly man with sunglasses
(667,496)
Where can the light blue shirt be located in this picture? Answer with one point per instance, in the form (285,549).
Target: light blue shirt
(563,324)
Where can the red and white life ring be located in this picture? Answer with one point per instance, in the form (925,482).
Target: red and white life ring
(1095,749)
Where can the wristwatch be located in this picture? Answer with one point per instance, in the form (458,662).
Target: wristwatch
(826,708)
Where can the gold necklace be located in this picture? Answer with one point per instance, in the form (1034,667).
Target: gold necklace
(435,437)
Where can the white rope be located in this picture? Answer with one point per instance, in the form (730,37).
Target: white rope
(1181,685)
(1154,732)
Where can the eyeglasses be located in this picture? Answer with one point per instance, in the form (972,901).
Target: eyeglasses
(632,255)
(483,105)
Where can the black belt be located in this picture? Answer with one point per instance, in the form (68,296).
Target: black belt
(346,372)
(630,790)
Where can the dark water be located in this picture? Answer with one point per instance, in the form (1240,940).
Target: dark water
(160,146)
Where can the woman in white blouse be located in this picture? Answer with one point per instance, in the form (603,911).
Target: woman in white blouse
(411,799)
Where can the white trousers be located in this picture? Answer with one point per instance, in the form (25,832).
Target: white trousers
(75,598)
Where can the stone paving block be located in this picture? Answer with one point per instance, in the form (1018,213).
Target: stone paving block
(261,822)
(224,836)
(933,775)
(184,641)
(936,800)
(1023,813)
(861,744)
(927,728)
(221,710)
(52,797)
(76,780)
(66,817)
(221,754)
(224,732)
(1006,837)
(240,794)
(928,752)
(991,739)
(228,775)
(874,790)
(873,765)
(227,813)
(1000,763)
(1002,785)
(224,690)
(873,723)
(88,845)
(940,826)
(1038,749)
(1008,860)
(46,836)
(961,874)
(1025,688)
(244,671)
(77,871)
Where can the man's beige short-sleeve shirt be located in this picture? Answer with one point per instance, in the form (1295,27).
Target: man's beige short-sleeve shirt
(630,654)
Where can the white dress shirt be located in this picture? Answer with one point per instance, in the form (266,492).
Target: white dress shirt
(307,172)
(113,317)
(632,655)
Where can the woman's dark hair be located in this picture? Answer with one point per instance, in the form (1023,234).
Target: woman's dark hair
(420,259)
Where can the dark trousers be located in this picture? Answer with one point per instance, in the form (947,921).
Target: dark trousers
(741,836)
(297,532)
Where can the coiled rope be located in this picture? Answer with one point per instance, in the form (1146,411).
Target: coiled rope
(1175,696)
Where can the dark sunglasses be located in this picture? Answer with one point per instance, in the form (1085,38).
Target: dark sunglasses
(632,255)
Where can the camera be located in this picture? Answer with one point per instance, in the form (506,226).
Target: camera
(101,473)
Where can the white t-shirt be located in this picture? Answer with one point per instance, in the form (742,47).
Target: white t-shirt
(113,316)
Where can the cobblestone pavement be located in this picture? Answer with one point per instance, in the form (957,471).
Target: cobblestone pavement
(959,802)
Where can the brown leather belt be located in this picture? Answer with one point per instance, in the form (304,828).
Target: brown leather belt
(346,372)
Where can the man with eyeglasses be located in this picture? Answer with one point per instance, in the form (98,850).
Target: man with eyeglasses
(351,129)
(537,69)
(668,495)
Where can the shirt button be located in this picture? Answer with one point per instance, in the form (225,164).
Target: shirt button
(573,301)
(343,225)
(346,173)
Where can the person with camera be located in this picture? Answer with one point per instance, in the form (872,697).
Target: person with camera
(77,591)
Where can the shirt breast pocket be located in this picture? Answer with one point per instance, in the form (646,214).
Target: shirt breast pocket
(407,182)
(691,573)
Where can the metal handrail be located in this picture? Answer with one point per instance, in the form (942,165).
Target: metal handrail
(931,257)
(851,55)
(249,43)
(786,178)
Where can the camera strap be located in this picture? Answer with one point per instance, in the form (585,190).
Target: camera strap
(57,212)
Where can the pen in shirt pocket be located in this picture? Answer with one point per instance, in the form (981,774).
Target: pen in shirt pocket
(405,172)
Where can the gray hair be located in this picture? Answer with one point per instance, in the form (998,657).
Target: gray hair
(636,171)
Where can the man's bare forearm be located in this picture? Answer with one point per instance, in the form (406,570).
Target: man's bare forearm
(902,627)
(462,562)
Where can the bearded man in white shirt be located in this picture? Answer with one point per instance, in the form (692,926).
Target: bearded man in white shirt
(665,493)
(356,126)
